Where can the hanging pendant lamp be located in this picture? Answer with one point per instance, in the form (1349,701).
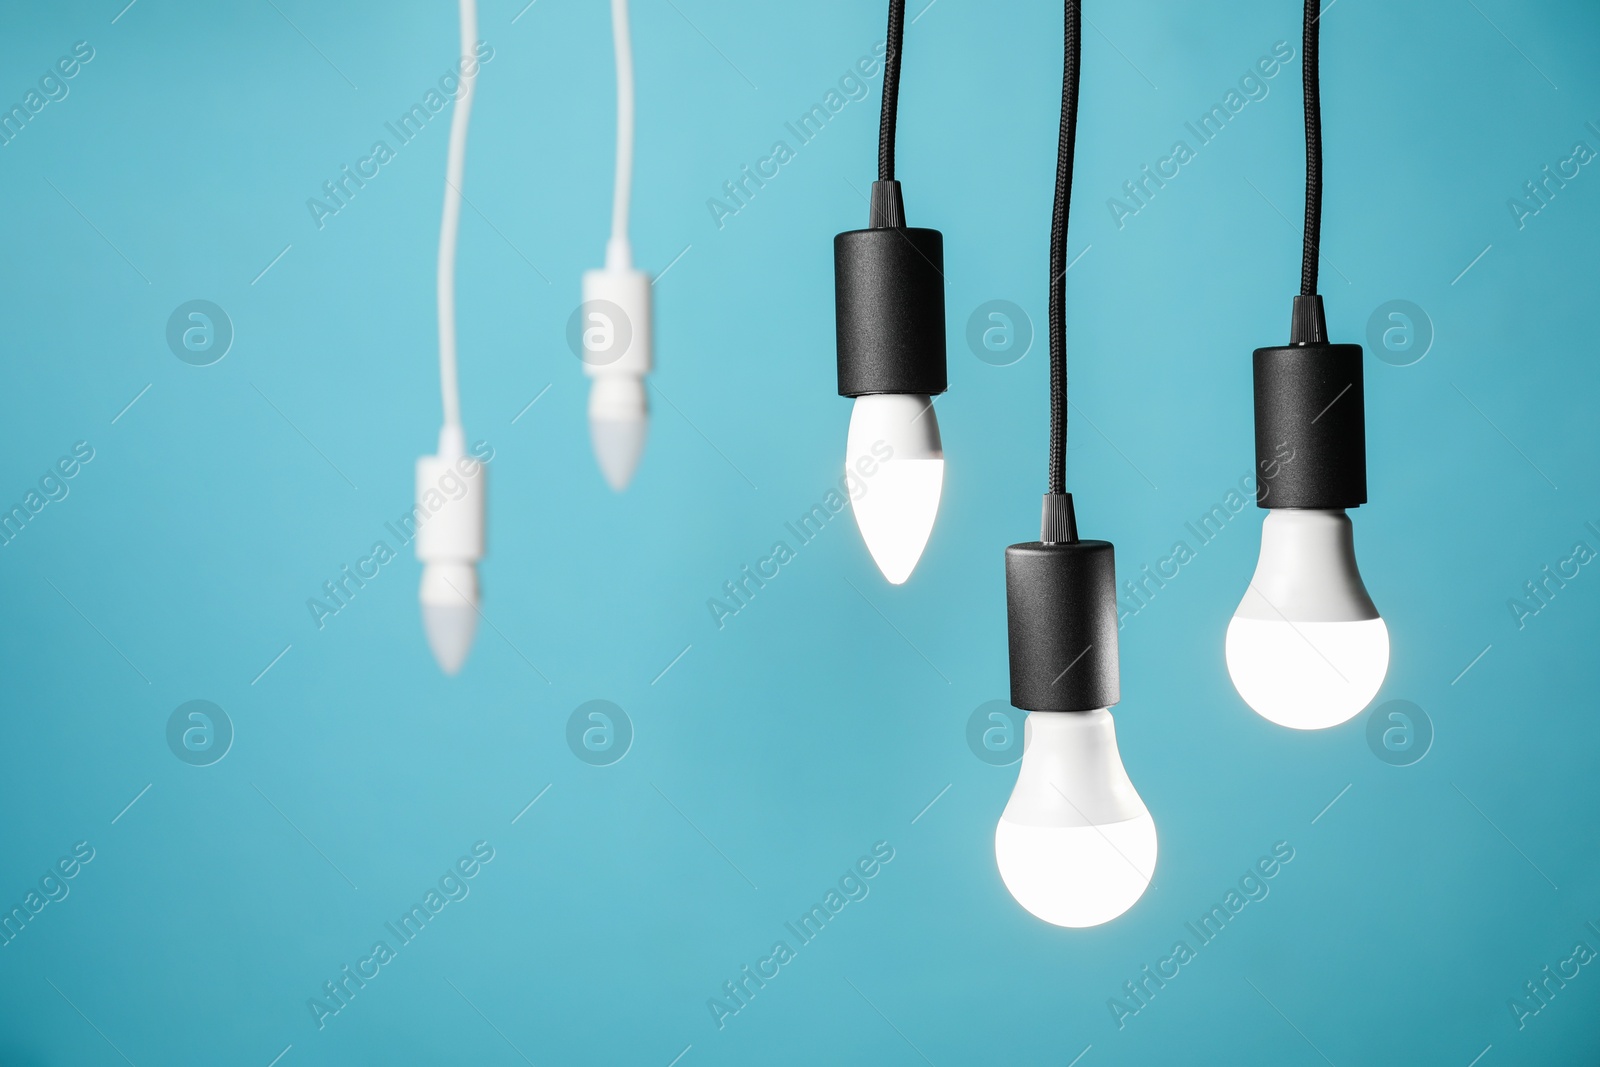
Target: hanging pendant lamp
(1076,845)
(449,531)
(616,306)
(1306,648)
(889,312)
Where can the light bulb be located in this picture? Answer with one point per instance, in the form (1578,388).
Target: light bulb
(894,464)
(1076,846)
(451,489)
(450,611)
(615,326)
(1306,648)
(619,419)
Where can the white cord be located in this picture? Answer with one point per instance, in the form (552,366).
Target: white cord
(450,227)
(618,254)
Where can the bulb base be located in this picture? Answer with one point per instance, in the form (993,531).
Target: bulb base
(889,303)
(1061,622)
(449,514)
(1311,428)
(1058,523)
(616,327)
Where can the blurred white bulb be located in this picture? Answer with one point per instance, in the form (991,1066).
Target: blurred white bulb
(1306,648)
(451,490)
(616,356)
(450,611)
(1076,846)
(619,420)
(895,464)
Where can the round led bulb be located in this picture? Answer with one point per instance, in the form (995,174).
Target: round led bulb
(1306,648)
(1075,846)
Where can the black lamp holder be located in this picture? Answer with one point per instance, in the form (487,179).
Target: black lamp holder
(889,302)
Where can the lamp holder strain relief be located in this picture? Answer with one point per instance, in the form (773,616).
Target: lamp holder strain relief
(1308,325)
(1058,525)
(887,209)
(619,254)
(452,441)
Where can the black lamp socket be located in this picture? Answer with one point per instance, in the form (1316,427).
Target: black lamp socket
(889,303)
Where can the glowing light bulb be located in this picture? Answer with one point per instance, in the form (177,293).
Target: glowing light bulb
(1076,846)
(1306,648)
(893,454)
(451,489)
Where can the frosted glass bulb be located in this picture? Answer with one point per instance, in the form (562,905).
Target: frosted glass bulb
(619,420)
(894,464)
(1306,648)
(1076,846)
(449,597)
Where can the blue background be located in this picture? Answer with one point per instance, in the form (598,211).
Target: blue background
(831,711)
